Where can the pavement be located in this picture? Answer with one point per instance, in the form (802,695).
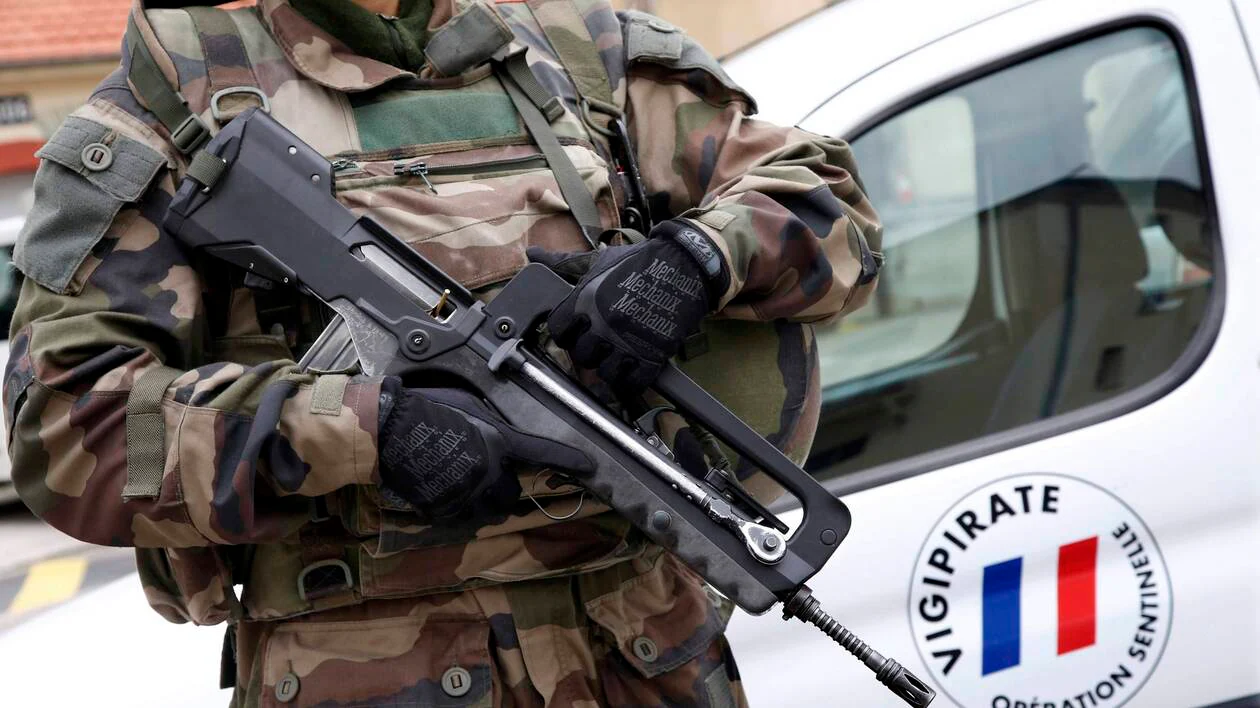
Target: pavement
(41,567)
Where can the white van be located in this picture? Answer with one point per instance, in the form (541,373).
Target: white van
(1046,421)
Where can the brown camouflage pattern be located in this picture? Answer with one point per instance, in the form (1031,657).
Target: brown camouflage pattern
(258,486)
(561,642)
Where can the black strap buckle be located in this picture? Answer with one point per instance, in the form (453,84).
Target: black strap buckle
(553,109)
(191,134)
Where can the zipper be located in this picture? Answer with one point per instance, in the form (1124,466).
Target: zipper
(492,166)
(395,38)
(346,168)
(417,169)
(424,171)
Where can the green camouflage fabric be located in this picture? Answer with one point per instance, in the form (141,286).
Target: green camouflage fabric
(643,633)
(260,484)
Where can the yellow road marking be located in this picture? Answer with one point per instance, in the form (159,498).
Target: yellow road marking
(48,583)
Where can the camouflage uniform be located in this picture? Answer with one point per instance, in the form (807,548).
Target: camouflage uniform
(264,485)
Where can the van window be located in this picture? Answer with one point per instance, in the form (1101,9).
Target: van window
(10,287)
(16,197)
(1047,246)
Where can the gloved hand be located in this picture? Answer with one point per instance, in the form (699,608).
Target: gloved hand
(446,452)
(636,305)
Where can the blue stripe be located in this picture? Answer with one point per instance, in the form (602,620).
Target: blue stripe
(1001,615)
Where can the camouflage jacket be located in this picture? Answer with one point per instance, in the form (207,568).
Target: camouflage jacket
(263,481)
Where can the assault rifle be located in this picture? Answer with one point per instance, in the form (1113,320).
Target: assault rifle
(260,198)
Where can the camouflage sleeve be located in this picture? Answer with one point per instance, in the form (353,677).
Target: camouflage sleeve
(784,205)
(247,445)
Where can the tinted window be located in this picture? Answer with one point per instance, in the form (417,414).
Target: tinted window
(16,197)
(1047,248)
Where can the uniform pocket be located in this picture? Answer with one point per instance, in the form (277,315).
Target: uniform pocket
(668,647)
(440,661)
(474,213)
(659,621)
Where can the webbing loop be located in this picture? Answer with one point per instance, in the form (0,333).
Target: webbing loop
(146,433)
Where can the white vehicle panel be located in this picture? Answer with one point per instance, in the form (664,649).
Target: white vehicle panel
(1249,15)
(107,648)
(1186,463)
(842,44)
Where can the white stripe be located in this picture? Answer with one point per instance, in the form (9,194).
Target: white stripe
(9,229)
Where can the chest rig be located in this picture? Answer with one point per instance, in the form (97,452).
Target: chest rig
(518,138)
(480,90)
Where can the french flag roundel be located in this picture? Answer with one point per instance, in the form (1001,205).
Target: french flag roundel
(1040,589)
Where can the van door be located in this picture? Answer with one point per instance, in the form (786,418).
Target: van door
(1044,421)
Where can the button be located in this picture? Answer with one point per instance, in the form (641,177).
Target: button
(645,649)
(287,688)
(456,682)
(97,157)
(661,25)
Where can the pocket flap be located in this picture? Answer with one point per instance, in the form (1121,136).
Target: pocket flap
(122,168)
(653,40)
(660,620)
(429,660)
(88,173)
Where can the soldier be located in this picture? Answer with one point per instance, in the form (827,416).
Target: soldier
(381,556)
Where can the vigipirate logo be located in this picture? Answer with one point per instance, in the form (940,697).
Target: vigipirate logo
(1040,591)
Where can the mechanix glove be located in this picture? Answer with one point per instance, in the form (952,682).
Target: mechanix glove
(636,305)
(447,453)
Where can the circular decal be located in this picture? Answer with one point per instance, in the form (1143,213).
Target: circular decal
(1040,591)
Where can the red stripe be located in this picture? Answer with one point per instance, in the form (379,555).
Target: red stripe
(19,156)
(1078,563)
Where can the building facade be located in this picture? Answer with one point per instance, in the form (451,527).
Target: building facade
(724,26)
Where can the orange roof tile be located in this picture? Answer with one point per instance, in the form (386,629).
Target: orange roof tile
(48,31)
(54,31)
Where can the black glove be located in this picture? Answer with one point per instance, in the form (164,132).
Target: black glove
(635,306)
(445,452)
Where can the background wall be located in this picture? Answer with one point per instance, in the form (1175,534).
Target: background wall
(723,26)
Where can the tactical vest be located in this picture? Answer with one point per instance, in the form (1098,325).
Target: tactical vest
(524,144)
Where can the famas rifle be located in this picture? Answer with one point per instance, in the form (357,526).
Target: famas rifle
(260,198)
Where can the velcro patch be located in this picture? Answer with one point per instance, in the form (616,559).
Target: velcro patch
(88,173)
(467,40)
(651,38)
(131,171)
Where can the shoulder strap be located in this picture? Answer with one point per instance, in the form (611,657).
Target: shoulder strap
(564,25)
(233,85)
(188,131)
(566,31)
(531,100)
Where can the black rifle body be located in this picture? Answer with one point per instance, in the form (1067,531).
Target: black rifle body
(273,213)
(271,210)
